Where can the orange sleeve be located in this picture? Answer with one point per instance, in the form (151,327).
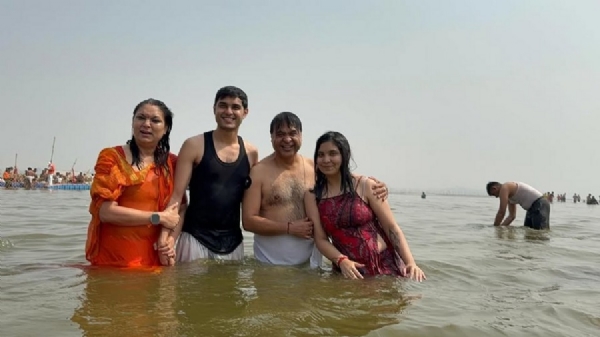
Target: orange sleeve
(108,180)
(107,185)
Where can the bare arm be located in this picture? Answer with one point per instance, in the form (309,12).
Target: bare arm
(251,219)
(188,155)
(512,214)
(379,189)
(252,152)
(504,192)
(185,164)
(349,268)
(384,213)
(177,230)
(321,240)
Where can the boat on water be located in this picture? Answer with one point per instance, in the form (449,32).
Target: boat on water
(44,186)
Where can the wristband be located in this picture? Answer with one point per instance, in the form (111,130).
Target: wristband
(340,259)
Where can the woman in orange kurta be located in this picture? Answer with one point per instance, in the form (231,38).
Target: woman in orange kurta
(133,183)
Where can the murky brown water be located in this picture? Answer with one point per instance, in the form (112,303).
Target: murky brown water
(482,281)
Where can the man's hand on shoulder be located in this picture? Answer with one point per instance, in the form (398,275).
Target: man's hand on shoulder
(379,188)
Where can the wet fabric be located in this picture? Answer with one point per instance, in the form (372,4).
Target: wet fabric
(148,190)
(189,249)
(353,229)
(216,192)
(538,215)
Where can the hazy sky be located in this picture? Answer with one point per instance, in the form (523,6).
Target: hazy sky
(431,94)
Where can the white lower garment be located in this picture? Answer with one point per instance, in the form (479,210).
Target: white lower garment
(189,249)
(286,250)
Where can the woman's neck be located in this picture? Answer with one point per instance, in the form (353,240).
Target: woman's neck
(334,184)
(146,152)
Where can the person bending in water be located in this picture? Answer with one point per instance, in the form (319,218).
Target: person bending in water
(365,238)
(532,200)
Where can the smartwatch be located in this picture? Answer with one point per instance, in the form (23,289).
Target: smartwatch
(155,219)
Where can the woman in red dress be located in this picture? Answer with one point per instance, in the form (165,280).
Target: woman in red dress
(365,238)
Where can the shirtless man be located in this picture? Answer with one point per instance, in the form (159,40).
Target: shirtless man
(273,205)
(215,166)
(532,200)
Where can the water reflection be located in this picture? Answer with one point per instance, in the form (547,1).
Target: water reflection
(224,299)
(127,303)
(531,235)
(258,300)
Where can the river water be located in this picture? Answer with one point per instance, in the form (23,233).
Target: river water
(482,281)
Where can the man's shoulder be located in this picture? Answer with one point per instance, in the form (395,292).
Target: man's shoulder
(196,139)
(250,148)
(308,161)
(264,164)
(511,187)
(192,145)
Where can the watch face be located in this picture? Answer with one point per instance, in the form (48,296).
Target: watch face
(155,219)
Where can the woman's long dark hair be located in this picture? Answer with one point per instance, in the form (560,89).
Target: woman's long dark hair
(347,185)
(161,154)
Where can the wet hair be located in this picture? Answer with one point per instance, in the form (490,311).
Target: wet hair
(285,118)
(161,154)
(341,142)
(231,91)
(347,183)
(490,185)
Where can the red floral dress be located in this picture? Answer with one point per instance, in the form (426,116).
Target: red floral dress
(353,228)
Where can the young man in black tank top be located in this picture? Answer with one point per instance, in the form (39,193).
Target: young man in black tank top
(216,167)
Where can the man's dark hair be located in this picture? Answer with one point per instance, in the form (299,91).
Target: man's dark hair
(285,118)
(489,186)
(231,91)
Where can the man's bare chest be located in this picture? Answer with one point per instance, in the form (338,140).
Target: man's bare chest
(285,190)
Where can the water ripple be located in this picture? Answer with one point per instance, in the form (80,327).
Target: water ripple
(482,280)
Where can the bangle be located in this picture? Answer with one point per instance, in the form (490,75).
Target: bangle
(288,229)
(340,259)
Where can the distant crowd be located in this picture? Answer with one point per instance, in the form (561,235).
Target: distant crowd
(32,177)
(590,199)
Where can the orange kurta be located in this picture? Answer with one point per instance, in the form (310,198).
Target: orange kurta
(147,190)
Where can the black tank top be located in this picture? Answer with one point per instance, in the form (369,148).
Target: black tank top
(216,192)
